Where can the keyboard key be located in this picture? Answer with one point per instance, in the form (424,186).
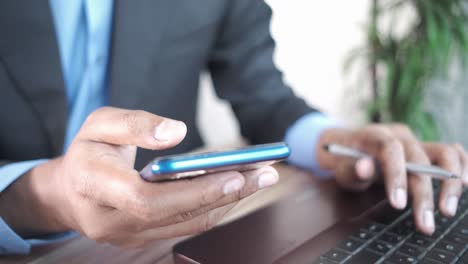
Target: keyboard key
(364,257)
(397,258)
(455,238)
(391,238)
(449,246)
(322,260)
(437,233)
(411,250)
(464,221)
(374,227)
(350,245)
(460,231)
(420,241)
(404,227)
(432,238)
(388,216)
(443,222)
(336,255)
(407,222)
(381,247)
(364,235)
(429,261)
(463,203)
(402,230)
(440,255)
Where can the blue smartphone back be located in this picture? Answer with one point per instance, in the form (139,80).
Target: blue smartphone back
(179,166)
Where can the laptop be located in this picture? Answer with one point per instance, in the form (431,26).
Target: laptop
(325,225)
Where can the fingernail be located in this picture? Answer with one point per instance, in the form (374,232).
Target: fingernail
(267,179)
(233,186)
(399,198)
(428,219)
(166,130)
(365,168)
(452,203)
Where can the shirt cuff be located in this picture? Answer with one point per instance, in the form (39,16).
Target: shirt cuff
(10,242)
(11,172)
(302,138)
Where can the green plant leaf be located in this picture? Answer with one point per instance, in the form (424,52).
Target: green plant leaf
(410,62)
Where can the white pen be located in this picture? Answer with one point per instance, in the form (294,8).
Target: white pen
(433,171)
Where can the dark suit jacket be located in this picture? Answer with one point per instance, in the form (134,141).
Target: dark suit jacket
(158,49)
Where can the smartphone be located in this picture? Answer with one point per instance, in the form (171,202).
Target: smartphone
(192,165)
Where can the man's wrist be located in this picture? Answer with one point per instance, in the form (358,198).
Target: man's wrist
(303,137)
(35,210)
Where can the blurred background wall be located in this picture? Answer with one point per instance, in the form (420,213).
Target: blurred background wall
(446,100)
(313,40)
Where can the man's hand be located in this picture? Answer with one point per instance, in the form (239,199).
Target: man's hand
(94,189)
(392,146)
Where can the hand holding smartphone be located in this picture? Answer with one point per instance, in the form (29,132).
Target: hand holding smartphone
(192,165)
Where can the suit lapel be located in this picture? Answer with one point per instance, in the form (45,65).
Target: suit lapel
(138,30)
(29,50)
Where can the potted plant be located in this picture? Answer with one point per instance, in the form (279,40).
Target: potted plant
(401,64)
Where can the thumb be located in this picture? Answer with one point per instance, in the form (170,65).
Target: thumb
(132,127)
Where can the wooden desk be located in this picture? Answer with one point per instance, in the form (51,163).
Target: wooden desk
(82,250)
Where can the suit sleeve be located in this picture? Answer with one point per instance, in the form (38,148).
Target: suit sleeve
(244,74)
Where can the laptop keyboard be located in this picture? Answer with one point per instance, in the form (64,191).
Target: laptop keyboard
(392,238)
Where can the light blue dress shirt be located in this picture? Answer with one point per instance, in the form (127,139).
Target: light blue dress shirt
(83,31)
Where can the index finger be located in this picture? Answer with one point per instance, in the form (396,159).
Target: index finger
(420,185)
(390,156)
(132,127)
